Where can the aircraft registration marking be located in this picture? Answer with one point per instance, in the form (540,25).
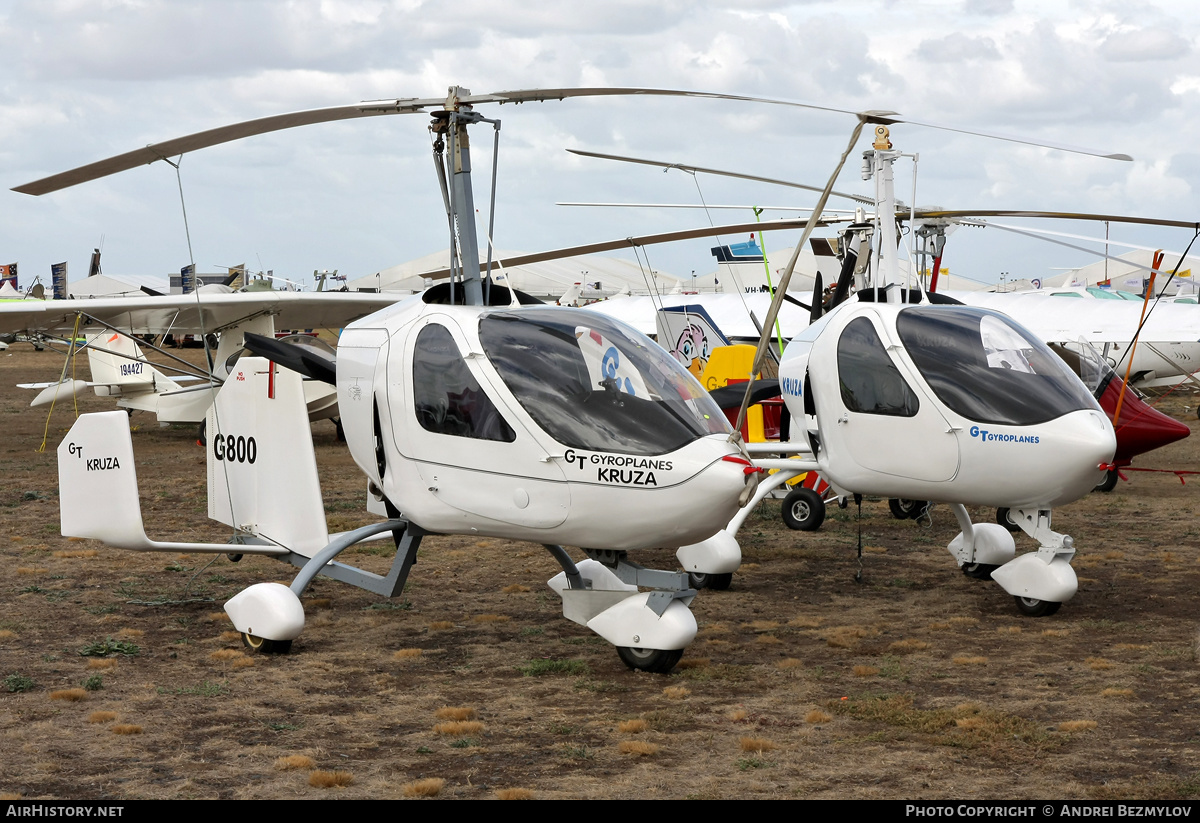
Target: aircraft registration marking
(235,449)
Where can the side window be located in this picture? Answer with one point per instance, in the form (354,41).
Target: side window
(447,398)
(870,381)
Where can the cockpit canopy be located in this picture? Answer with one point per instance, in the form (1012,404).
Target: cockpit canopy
(988,369)
(591,383)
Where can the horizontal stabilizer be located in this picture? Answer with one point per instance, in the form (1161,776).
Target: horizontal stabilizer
(50,392)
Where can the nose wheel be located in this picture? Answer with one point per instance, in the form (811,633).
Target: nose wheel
(264,646)
(1109,482)
(713,582)
(656,661)
(979,571)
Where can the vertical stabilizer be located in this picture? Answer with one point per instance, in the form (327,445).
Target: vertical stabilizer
(98,491)
(262,472)
(119,368)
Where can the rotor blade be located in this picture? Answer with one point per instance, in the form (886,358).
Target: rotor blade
(1084,249)
(1063,215)
(200,140)
(645,240)
(701,206)
(369,108)
(1012,138)
(409,105)
(858,198)
(1097,240)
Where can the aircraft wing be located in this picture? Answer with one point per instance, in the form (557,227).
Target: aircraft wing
(192,314)
(1065,319)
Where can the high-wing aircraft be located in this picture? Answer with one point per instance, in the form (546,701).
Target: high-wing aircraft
(473,411)
(115,325)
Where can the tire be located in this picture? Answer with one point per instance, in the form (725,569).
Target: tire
(264,646)
(1109,482)
(1005,520)
(656,661)
(907,509)
(979,571)
(803,510)
(1032,607)
(202,433)
(712,582)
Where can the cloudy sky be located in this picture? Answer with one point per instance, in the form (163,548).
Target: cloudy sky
(86,79)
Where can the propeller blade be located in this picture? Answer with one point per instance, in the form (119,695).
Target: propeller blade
(730,397)
(788,298)
(307,360)
(814,313)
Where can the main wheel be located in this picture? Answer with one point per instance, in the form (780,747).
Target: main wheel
(1032,607)
(803,510)
(979,571)
(264,646)
(907,509)
(1005,519)
(658,661)
(715,582)
(1109,482)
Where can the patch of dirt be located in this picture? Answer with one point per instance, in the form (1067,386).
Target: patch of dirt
(916,682)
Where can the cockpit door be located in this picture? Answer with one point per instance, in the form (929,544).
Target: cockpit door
(886,421)
(471,451)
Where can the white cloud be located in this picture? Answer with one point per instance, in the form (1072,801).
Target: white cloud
(89,79)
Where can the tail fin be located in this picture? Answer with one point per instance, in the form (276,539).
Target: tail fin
(262,472)
(689,334)
(571,296)
(119,367)
(98,492)
(98,489)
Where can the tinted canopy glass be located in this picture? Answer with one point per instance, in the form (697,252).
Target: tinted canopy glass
(447,398)
(591,383)
(870,381)
(988,369)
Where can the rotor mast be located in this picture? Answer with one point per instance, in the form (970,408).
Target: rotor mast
(451,124)
(877,164)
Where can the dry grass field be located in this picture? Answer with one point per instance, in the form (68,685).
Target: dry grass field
(122,678)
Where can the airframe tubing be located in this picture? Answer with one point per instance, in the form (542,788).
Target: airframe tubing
(319,560)
(768,485)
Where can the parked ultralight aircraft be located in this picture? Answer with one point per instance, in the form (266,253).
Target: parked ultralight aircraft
(473,412)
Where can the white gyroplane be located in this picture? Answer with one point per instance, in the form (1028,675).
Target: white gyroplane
(893,394)
(472,414)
